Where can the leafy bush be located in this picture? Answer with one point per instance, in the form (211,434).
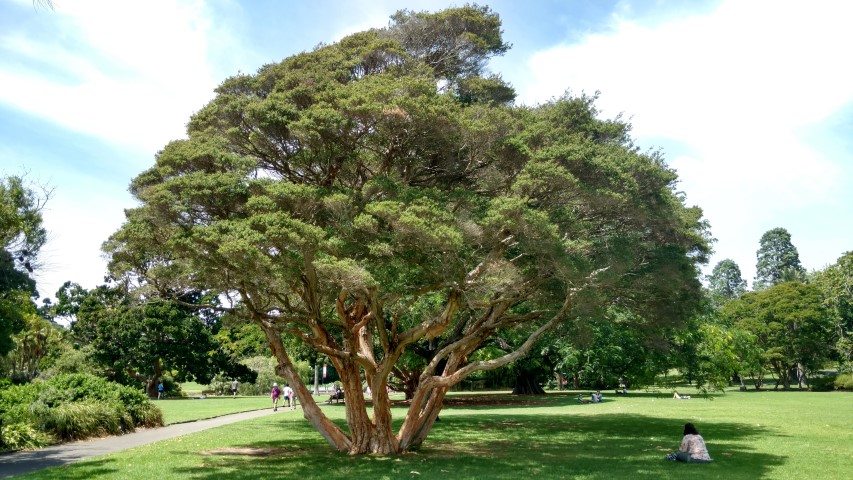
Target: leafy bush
(71,360)
(72,406)
(823,383)
(844,382)
(72,421)
(171,387)
(18,436)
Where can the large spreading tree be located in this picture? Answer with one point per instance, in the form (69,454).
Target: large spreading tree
(383,192)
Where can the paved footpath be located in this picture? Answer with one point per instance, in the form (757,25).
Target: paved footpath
(18,463)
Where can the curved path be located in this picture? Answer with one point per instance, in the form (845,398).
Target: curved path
(18,463)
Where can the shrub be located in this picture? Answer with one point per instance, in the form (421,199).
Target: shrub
(72,406)
(15,402)
(18,436)
(823,383)
(72,421)
(844,381)
(71,360)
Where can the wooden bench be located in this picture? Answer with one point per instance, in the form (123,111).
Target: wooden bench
(336,397)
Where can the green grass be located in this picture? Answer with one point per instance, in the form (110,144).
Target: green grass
(774,435)
(191,409)
(188,410)
(193,389)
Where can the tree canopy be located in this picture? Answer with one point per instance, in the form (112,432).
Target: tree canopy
(790,324)
(379,193)
(21,237)
(726,282)
(778,259)
(140,341)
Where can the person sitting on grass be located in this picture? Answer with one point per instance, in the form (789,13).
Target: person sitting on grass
(581,399)
(596,397)
(692,448)
(680,397)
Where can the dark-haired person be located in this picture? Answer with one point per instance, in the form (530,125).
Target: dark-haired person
(692,448)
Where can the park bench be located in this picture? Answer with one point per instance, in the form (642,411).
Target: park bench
(336,397)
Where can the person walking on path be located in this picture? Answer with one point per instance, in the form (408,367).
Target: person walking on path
(161,393)
(290,395)
(274,394)
(234,385)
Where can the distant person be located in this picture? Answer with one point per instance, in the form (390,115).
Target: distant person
(275,393)
(161,392)
(676,396)
(692,448)
(292,398)
(234,385)
(288,395)
(596,397)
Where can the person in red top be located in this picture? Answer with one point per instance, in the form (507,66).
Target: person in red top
(275,394)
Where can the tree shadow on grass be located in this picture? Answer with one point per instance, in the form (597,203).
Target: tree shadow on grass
(498,446)
(498,441)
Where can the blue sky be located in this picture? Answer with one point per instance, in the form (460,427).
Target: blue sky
(750,101)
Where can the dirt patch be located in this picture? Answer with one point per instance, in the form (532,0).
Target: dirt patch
(246,451)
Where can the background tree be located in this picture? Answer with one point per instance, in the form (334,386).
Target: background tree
(351,198)
(21,238)
(790,325)
(836,283)
(141,341)
(778,260)
(726,282)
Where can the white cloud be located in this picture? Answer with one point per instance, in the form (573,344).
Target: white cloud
(126,74)
(735,88)
(129,72)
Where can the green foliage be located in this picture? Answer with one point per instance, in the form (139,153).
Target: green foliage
(83,419)
(790,324)
(72,407)
(778,259)
(21,237)
(378,197)
(23,436)
(751,435)
(71,360)
(822,383)
(264,367)
(836,284)
(35,344)
(726,282)
(844,381)
(137,341)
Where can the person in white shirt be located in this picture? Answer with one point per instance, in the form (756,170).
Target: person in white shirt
(288,395)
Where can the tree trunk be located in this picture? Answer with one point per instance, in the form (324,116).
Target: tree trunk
(151,382)
(316,379)
(526,384)
(561,380)
(310,410)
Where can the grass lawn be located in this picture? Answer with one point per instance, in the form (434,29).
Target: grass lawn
(191,409)
(187,409)
(774,435)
